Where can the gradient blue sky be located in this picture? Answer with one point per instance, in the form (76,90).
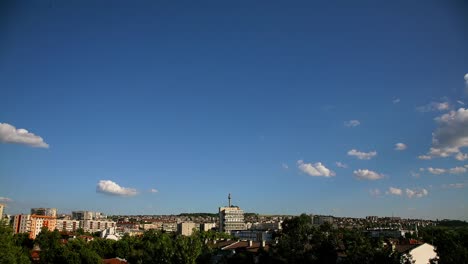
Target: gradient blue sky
(198,100)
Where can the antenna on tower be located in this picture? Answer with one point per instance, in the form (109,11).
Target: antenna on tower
(229,198)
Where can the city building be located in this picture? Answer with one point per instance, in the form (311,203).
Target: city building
(87,215)
(96,225)
(186,228)
(207,226)
(33,224)
(44,211)
(22,223)
(66,225)
(231,218)
(420,253)
(253,235)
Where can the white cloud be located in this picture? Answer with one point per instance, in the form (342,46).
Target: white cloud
(461,156)
(460,102)
(10,134)
(374,192)
(367,175)
(153,190)
(424,157)
(341,165)
(396,100)
(400,146)
(453,186)
(455,170)
(415,174)
(112,188)
(418,193)
(466,80)
(352,123)
(434,106)
(362,155)
(436,171)
(317,169)
(285,166)
(451,135)
(394,191)
(6,200)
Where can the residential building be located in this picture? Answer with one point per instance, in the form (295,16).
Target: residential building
(83,215)
(231,218)
(22,223)
(420,253)
(33,224)
(186,228)
(253,235)
(2,206)
(96,225)
(65,225)
(44,211)
(207,226)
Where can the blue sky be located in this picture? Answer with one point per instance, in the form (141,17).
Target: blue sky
(257,99)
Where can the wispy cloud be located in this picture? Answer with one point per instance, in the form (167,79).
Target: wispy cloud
(112,188)
(352,123)
(153,191)
(341,165)
(10,134)
(438,171)
(417,193)
(434,106)
(285,166)
(394,191)
(317,169)
(362,155)
(396,100)
(400,146)
(453,186)
(366,174)
(6,200)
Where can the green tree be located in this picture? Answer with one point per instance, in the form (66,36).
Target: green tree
(10,252)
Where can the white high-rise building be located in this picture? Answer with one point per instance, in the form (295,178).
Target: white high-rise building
(231,218)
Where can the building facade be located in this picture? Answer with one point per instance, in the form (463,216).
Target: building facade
(44,211)
(33,224)
(186,228)
(231,219)
(66,225)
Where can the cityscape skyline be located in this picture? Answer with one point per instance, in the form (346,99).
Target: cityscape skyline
(165,108)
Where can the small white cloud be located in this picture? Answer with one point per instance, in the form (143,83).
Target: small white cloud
(400,146)
(424,157)
(436,171)
(461,156)
(396,100)
(317,169)
(434,106)
(352,123)
(6,200)
(367,175)
(341,165)
(285,166)
(112,188)
(153,190)
(9,134)
(460,102)
(362,155)
(455,170)
(466,79)
(453,186)
(374,192)
(394,191)
(415,174)
(418,193)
